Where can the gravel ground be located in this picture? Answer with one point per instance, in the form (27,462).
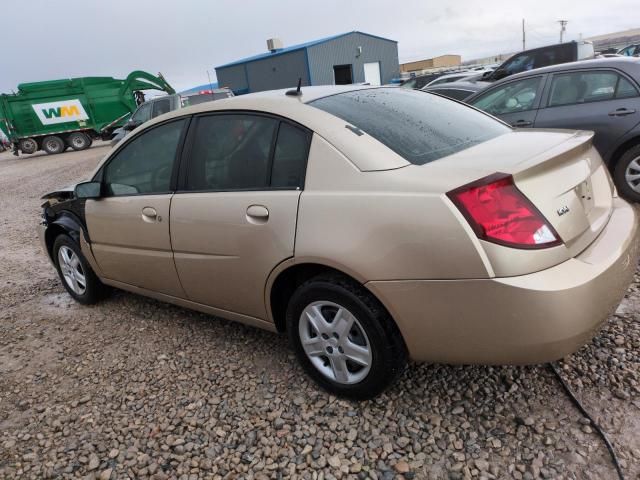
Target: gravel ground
(133,388)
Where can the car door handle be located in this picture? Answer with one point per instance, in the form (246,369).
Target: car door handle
(257,214)
(522,123)
(150,215)
(621,112)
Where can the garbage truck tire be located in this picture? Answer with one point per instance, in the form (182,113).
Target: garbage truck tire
(28,145)
(79,141)
(53,145)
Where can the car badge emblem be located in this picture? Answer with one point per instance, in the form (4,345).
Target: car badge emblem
(562,211)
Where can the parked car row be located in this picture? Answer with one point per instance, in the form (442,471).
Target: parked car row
(354,219)
(521,62)
(160,105)
(630,50)
(602,95)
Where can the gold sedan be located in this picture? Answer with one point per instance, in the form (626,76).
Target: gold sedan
(373,225)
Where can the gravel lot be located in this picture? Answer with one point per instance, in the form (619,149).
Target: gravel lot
(133,388)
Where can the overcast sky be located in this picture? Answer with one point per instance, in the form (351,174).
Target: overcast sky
(45,39)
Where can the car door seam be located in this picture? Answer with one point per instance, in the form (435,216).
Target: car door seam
(173,253)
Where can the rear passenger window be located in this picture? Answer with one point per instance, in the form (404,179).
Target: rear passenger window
(582,87)
(241,152)
(290,157)
(625,89)
(587,87)
(231,152)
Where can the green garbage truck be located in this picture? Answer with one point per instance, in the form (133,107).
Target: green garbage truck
(59,114)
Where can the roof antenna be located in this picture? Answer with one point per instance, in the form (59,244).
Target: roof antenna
(297,92)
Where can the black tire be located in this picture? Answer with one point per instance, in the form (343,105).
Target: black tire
(93,290)
(629,160)
(79,141)
(387,348)
(53,145)
(28,145)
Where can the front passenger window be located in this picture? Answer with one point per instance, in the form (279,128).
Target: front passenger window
(512,97)
(144,165)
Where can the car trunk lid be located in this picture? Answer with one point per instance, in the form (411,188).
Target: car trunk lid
(571,187)
(560,172)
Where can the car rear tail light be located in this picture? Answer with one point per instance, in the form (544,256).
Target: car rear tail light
(500,213)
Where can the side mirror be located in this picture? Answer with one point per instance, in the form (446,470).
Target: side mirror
(88,190)
(131,125)
(486,74)
(500,73)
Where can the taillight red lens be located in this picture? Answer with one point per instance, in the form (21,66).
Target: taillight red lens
(500,213)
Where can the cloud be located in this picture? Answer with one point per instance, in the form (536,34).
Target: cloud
(184,39)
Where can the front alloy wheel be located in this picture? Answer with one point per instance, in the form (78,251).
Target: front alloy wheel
(75,272)
(72,270)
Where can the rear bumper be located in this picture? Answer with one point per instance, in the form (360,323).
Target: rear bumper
(525,319)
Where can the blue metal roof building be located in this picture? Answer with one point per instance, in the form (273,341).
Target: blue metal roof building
(353,57)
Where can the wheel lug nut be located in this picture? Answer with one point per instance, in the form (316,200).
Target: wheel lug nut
(329,349)
(340,350)
(335,335)
(325,336)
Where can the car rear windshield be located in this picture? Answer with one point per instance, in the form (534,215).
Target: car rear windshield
(416,125)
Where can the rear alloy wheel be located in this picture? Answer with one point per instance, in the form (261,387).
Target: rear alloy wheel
(335,342)
(627,174)
(28,145)
(344,338)
(53,145)
(75,272)
(79,141)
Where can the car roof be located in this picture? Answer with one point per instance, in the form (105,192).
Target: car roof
(470,86)
(466,73)
(623,63)
(367,154)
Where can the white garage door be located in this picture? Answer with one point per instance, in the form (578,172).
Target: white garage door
(372,73)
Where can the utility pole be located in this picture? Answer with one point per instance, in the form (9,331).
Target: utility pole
(563,27)
(523,40)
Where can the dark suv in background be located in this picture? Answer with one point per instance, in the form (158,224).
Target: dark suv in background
(541,57)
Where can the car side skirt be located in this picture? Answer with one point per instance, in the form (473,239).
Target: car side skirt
(181,302)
